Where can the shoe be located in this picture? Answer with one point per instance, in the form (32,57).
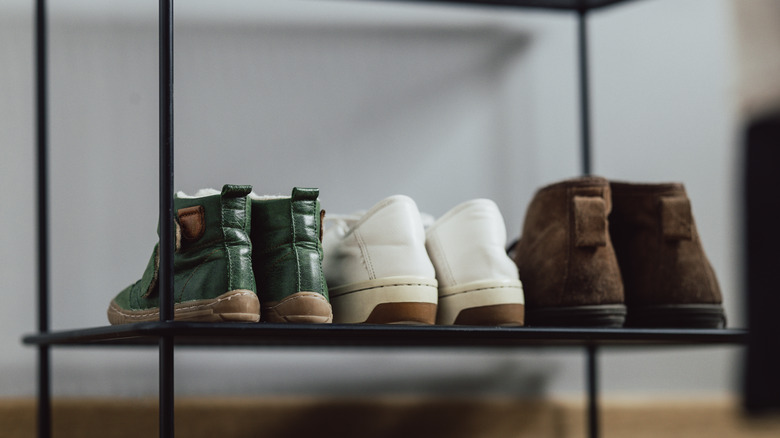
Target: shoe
(478,282)
(287,257)
(213,278)
(377,268)
(566,260)
(668,280)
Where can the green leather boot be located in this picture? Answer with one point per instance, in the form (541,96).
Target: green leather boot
(213,279)
(287,257)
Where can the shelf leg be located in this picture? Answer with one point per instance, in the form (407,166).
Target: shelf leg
(582,52)
(166,159)
(44,366)
(44,392)
(165,37)
(166,387)
(593,392)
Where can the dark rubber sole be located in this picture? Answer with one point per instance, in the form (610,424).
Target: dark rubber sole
(605,315)
(677,316)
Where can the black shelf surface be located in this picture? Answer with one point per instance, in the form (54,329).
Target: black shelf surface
(360,335)
(569,5)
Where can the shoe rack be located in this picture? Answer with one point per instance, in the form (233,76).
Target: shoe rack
(167,334)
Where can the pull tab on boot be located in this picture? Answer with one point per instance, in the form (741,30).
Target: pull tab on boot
(676,218)
(590,221)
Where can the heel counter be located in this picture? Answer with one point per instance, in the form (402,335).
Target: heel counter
(395,239)
(306,220)
(236,212)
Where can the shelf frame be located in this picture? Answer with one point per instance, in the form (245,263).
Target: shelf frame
(167,334)
(381,336)
(42,198)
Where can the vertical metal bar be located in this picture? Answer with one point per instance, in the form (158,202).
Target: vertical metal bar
(166,214)
(593,392)
(44,392)
(585,133)
(166,387)
(42,140)
(166,160)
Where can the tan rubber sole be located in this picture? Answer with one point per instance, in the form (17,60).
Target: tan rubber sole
(299,308)
(505,315)
(390,300)
(238,305)
(488,302)
(403,313)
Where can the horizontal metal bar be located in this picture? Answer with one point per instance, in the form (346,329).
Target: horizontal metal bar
(362,335)
(569,5)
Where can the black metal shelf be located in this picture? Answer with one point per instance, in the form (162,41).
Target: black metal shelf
(166,334)
(364,335)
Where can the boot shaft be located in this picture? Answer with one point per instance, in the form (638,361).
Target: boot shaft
(565,256)
(213,246)
(213,277)
(287,248)
(658,246)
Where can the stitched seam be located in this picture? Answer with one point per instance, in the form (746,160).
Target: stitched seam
(318,221)
(383,286)
(246,229)
(480,289)
(295,247)
(292,299)
(442,256)
(156,311)
(224,243)
(366,258)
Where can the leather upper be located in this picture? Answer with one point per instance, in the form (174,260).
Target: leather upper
(214,260)
(467,245)
(287,251)
(565,256)
(661,257)
(387,241)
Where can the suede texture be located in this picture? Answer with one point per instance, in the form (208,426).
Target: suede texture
(661,257)
(213,254)
(287,249)
(565,256)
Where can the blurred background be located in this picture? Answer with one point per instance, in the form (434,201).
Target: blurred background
(366,100)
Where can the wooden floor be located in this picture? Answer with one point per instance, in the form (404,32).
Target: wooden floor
(406,417)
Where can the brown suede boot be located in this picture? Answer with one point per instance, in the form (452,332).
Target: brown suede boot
(566,260)
(668,280)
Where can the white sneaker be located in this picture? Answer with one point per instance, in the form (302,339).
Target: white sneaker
(478,282)
(377,268)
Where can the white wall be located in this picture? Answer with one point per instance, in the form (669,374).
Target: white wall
(363,100)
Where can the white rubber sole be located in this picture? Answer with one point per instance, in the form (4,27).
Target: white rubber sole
(406,297)
(478,294)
